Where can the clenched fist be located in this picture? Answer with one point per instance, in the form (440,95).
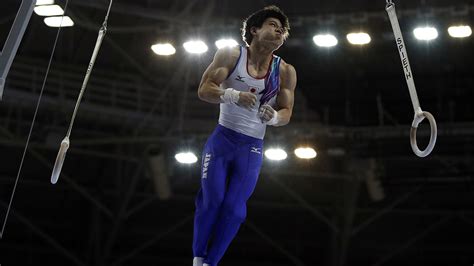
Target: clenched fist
(247,100)
(268,115)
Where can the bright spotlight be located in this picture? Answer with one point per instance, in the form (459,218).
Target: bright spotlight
(426,33)
(276,154)
(49,10)
(325,40)
(59,21)
(186,158)
(163,49)
(305,153)
(44,2)
(359,38)
(222,43)
(460,31)
(195,47)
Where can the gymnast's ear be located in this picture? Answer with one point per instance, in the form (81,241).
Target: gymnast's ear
(253,30)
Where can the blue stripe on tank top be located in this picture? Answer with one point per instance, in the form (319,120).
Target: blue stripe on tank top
(272,82)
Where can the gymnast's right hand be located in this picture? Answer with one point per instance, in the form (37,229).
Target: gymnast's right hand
(241,98)
(247,100)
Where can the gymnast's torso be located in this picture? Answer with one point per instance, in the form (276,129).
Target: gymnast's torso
(265,88)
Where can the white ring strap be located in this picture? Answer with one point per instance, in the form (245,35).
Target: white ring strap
(58,165)
(419,114)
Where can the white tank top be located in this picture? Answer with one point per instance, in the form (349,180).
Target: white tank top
(266,88)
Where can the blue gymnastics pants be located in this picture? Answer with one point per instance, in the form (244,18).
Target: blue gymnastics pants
(230,167)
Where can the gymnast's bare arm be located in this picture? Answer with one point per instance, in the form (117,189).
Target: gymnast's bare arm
(286,95)
(216,73)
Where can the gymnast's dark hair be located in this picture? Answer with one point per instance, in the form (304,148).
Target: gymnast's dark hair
(257,19)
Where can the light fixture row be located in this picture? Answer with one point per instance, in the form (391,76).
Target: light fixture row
(329,40)
(321,40)
(192,47)
(54,14)
(420,33)
(54,17)
(273,154)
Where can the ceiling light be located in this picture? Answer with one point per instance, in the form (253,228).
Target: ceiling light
(186,158)
(325,40)
(49,10)
(276,154)
(460,31)
(305,153)
(426,33)
(59,21)
(163,49)
(44,2)
(195,47)
(222,43)
(360,38)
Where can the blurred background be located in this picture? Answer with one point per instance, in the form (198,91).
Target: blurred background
(361,197)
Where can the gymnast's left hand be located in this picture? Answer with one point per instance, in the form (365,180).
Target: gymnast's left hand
(268,115)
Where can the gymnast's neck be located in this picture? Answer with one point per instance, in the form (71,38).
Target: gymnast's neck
(260,55)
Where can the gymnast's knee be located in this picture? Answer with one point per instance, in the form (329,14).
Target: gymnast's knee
(234,214)
(213,204)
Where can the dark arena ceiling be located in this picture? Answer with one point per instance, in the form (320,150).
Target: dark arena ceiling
(366,199)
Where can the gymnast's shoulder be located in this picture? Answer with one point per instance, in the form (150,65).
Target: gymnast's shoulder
(227,56)
(287,71)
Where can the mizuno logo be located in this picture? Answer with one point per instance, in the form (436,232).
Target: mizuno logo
(240,78)
(256,150)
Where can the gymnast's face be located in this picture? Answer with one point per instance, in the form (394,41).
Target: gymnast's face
(271,33)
